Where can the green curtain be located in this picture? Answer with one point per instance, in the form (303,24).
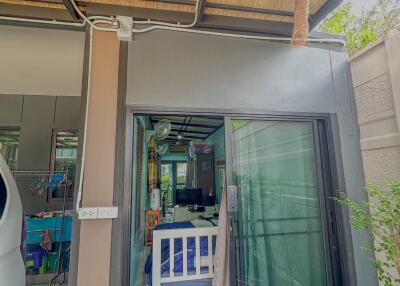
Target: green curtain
(280,234)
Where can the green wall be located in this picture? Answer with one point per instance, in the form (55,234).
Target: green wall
(137,242)
(174,157)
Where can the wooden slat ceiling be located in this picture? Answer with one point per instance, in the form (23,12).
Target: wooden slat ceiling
(192,128)
(276,5)
(263,11)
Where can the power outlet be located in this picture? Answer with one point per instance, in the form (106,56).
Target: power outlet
(108,212)
(88,213)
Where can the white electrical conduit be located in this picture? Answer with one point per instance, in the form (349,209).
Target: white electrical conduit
(97,19)
(83,156)
(254,37)
(147,22)
(162,26)
(191,25)
(58,23)
(186,28)
(92,24)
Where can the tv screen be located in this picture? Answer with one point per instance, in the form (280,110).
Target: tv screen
(189,197)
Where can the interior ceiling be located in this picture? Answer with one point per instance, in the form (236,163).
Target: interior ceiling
(67,139)
(192,128)
(269,16)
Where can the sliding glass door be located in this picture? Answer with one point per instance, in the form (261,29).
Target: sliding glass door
(280,236)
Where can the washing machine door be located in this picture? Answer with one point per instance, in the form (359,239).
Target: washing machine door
(12,270)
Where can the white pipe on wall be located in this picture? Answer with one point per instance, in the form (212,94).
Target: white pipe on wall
(54,22)
(81,175)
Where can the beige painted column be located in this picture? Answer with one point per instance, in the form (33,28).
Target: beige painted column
(95,235)
(392,43)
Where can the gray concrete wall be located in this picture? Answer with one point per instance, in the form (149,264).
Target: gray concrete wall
(177,70)
(40,61)
(37,116)
(40,88)
(376,83)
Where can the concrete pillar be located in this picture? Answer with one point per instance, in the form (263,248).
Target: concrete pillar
(95,235)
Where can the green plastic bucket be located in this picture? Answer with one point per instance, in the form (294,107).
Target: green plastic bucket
(43,268)
(52,262)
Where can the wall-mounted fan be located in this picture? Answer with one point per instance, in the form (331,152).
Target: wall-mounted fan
(162,129)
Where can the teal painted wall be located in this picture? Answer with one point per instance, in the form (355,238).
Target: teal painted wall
(137,241)
(218,141)
(174,157)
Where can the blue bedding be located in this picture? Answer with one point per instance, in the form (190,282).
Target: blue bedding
(178,265)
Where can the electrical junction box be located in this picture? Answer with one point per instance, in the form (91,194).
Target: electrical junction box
(124,31)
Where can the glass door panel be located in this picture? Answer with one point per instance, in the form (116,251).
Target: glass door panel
(278,224)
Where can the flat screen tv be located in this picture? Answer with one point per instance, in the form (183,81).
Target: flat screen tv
(189,197)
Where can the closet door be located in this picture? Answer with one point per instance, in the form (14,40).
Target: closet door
(278,205)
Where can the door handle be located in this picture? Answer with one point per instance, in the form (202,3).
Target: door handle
(232,198)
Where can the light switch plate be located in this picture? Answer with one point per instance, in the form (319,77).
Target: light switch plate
(108,212)
(98,213)
(88,213)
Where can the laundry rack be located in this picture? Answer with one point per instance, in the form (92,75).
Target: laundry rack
(32,181)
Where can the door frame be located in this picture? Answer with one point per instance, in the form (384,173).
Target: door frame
(334,152)
(326,191)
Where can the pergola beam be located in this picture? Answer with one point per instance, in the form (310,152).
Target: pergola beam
(231,7)
(202,5)
(300,25)
(71,9)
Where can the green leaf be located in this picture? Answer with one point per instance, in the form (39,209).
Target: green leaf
(380,217)
(362,30)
